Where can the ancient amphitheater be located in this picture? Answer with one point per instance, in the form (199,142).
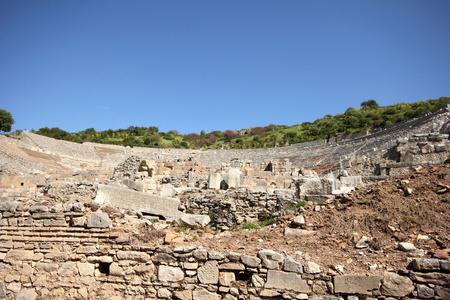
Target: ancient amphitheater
(96,221)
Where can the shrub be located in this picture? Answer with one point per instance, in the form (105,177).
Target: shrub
(229,135)
(258,131)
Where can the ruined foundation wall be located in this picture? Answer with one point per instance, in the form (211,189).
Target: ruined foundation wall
(62,252)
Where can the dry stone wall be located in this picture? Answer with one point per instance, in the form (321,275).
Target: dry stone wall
(52,251)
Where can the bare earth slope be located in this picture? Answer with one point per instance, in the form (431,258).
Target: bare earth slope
(411,208)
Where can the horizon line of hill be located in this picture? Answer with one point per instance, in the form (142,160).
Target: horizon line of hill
(369,117)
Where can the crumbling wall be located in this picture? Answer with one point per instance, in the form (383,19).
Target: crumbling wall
(62,252)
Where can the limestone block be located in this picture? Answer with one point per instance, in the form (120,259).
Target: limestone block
(170,274)
(208,273)
(27,294)
(195,220)
(122,197)
(406,247)
(38,209)
(426,264)
(85,269)
(167,190)
(46,267)
(311,268)
(250,261)
(234,177)
(294,232)
(67,269)
(433,278)
(356,284)
(183,295)
(270,259)
(200,254)
(116,270)
(214,180)
(137,186)
(314,186)
(164,293)
(226,278)
(133,255)
(257,281)
(396,286)
(100,259)
(232,266)
(203,294)
(290,265)
(287,281)
(162,258)
(9,206)
(19,255)
(98,219)
(87,250)
(424,291)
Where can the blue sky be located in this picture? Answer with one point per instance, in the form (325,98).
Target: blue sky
(215,65)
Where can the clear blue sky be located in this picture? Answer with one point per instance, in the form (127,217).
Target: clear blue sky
(215,65)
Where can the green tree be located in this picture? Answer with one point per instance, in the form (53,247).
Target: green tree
(6,121)
(370,104)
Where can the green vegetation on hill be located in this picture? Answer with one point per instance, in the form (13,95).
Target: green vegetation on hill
(370,116)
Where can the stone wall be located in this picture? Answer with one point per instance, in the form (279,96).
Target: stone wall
(67,252)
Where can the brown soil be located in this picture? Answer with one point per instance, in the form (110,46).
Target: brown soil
(410,208)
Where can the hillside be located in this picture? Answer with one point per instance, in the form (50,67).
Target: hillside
(369,117)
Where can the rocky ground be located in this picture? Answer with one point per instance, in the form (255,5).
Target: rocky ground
(362,232)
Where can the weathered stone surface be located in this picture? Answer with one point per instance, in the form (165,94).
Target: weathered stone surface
(27,294)
(183,295)
(46,267)
(444,265)
(170,274)
(10,206)
(200,254)
(406,247)
(433,278)
(250,261)
(100,259)
(195,220)
(85,269)
(38,209)
(203,294)
(133,255)
(137,186)
(208,273)
(270,259)
(311,268)
(424,291)
(294,232)
(98,219)
(356,284)
(18,255)
(67,269)
(87,250)
(285,280)
(298,220)
(269,293)
(164,293)
(122,197)
(425,264)
(162,258)
(396,285)
(443,292)
(257,281)
(116,270)
(226,278)
(290,265)
(232,266)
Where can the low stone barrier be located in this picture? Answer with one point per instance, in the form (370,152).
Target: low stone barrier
(59,252)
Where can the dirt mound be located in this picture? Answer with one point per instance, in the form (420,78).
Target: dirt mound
(412,204)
